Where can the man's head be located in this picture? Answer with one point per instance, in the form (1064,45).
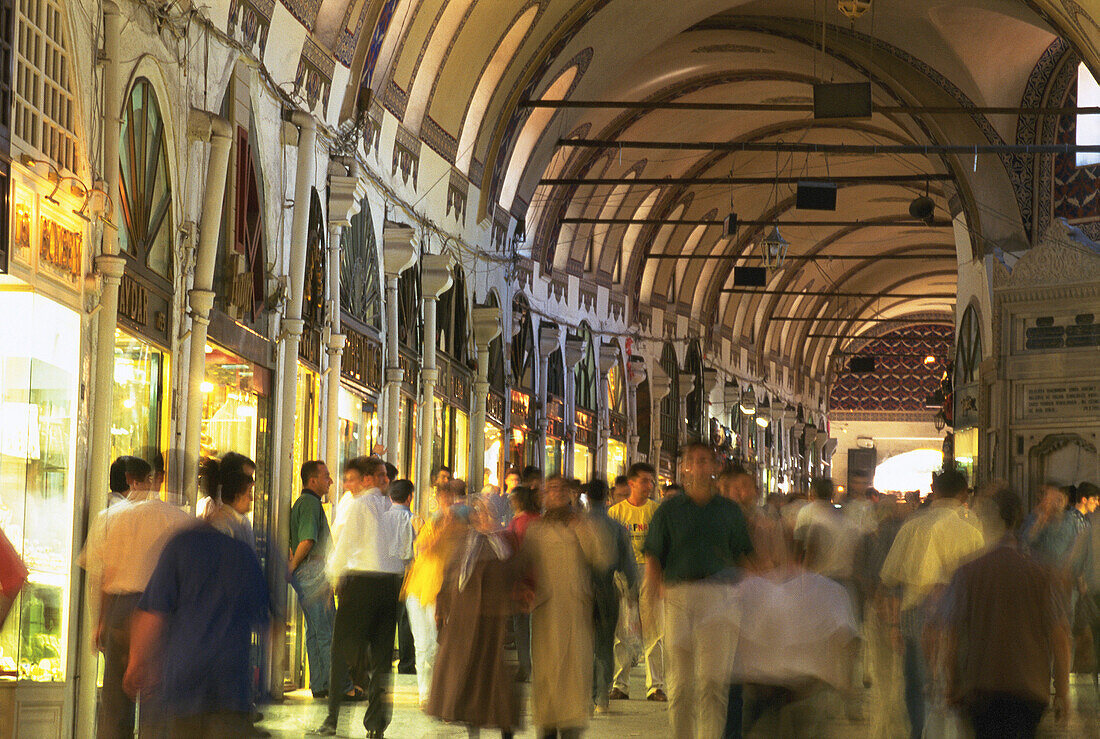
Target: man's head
(401,492)
(531,477)
(1009,507)
(739,486)
(237,490)
(699,467)
(1088,498)
(457,486)
(556,493)
(525,499)
(355,475)
(1053,500)
(860,485)
(822,489)
(621,490)
(441,476)
(597,492)
(511,480)
(130,475)
(952,484)
(641,479)
(315,477)
(375,475)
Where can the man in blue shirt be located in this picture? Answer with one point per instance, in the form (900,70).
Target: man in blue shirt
(192,630)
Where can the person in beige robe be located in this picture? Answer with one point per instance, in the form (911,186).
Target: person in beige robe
(562,550)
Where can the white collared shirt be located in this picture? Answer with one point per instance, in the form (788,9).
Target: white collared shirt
(397,538)
(358,542)
(125,542)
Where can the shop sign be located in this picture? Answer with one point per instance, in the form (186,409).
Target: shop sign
(410,369)
(460,389)
(555,408)
(362,360)
(61,251)
(44,241)
(133,300)
(494,407)
(21,229)
(521,409)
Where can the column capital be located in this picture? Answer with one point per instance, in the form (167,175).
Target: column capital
(336,343)
(435,275)
(398,251)
(660,384)
(345,196)
(429,376)
(485,322)
(292,327)
(395,374)
(110,266)
(549,339)
(200,301)
(481,389)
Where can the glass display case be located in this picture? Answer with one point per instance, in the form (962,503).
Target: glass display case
(141,374)
(39,376)
(616,459)
(359,427)
(494,455)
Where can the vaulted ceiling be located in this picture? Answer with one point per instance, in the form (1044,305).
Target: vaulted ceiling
(456,74)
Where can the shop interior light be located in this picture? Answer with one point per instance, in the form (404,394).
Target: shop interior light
(748,402)
(207,386)
(209,349)
(246,411)
(929,360)
(763,421)
(128,403)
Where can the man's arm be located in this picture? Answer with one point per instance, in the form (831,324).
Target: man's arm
(304,548)
(141,672)
(654,577)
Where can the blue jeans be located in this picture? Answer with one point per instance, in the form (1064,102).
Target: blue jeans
(315,598)
(913,667)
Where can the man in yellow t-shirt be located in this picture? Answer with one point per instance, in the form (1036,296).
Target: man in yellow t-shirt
(635,513)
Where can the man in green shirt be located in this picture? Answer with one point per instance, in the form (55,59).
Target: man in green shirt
(694,545)
(309,545)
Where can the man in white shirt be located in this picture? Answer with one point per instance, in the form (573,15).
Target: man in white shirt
(367,578)
(123,546)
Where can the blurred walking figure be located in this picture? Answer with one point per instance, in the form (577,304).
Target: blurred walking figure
(635,513)
(928,549)
(623,567)
(563,549)
(310,540)
(433,550)
(695,543)
(366,567)
(1005,629)
(235,486)
(473,685)
(192,632)
(122,549)
(526,507)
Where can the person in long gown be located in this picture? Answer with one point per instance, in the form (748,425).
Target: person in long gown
(473,685)
(563,550)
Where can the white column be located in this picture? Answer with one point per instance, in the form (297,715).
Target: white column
(203,126)
(573,354)
(660,385)
(109,267)
(549,341)
(345,194)
(398,254)
(291,335)
(635,375)
(486,327)
(435,278)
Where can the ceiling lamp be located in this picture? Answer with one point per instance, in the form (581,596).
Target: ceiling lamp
(922,208)
(929,360)
(773,249)
(940,420)
(763,417)
(748,402)
(853,8)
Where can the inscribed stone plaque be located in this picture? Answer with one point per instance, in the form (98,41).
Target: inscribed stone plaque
(1069,398)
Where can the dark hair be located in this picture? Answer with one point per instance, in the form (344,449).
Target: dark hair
(694,446)
(457,487)
(1010,508)
(1086,490)
(597,490)
(674,488)
(391,470)
(127,465)
(639,468)
(620,480)
(357,465)
(512,471)
(234,484)
(371,466)
(526,498)
(531,473)
(950,484)
(822,488)
(401,491)
(310,470)
(441,468)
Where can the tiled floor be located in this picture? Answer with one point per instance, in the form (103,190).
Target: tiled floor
(299,713)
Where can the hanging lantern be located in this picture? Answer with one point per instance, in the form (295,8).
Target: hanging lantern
(853,8)
(748,402)
(773,249)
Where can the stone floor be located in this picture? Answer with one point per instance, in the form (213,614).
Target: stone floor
(299,713)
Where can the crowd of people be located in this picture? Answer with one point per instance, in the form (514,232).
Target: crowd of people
(751,618)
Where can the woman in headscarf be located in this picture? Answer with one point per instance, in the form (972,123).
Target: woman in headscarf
(563,551)
(473,685)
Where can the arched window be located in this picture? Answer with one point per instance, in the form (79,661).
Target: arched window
(409,329)
(145,190)
(968,350)
(452,334)
(696,399)
(523,346)
(360,291)
(616,395)
(496,355)
(313,293)
(244,267)
(586,376)
(670,404)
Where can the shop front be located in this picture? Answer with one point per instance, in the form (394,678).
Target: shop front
(357,408)
(494,441)
(40,405)
(523,449)
(616,418)
(451,447)
(521,445)
(584,446)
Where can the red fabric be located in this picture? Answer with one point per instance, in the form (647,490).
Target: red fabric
(13,573)
(519,525)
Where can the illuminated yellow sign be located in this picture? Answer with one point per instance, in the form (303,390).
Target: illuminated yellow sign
(60,251)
